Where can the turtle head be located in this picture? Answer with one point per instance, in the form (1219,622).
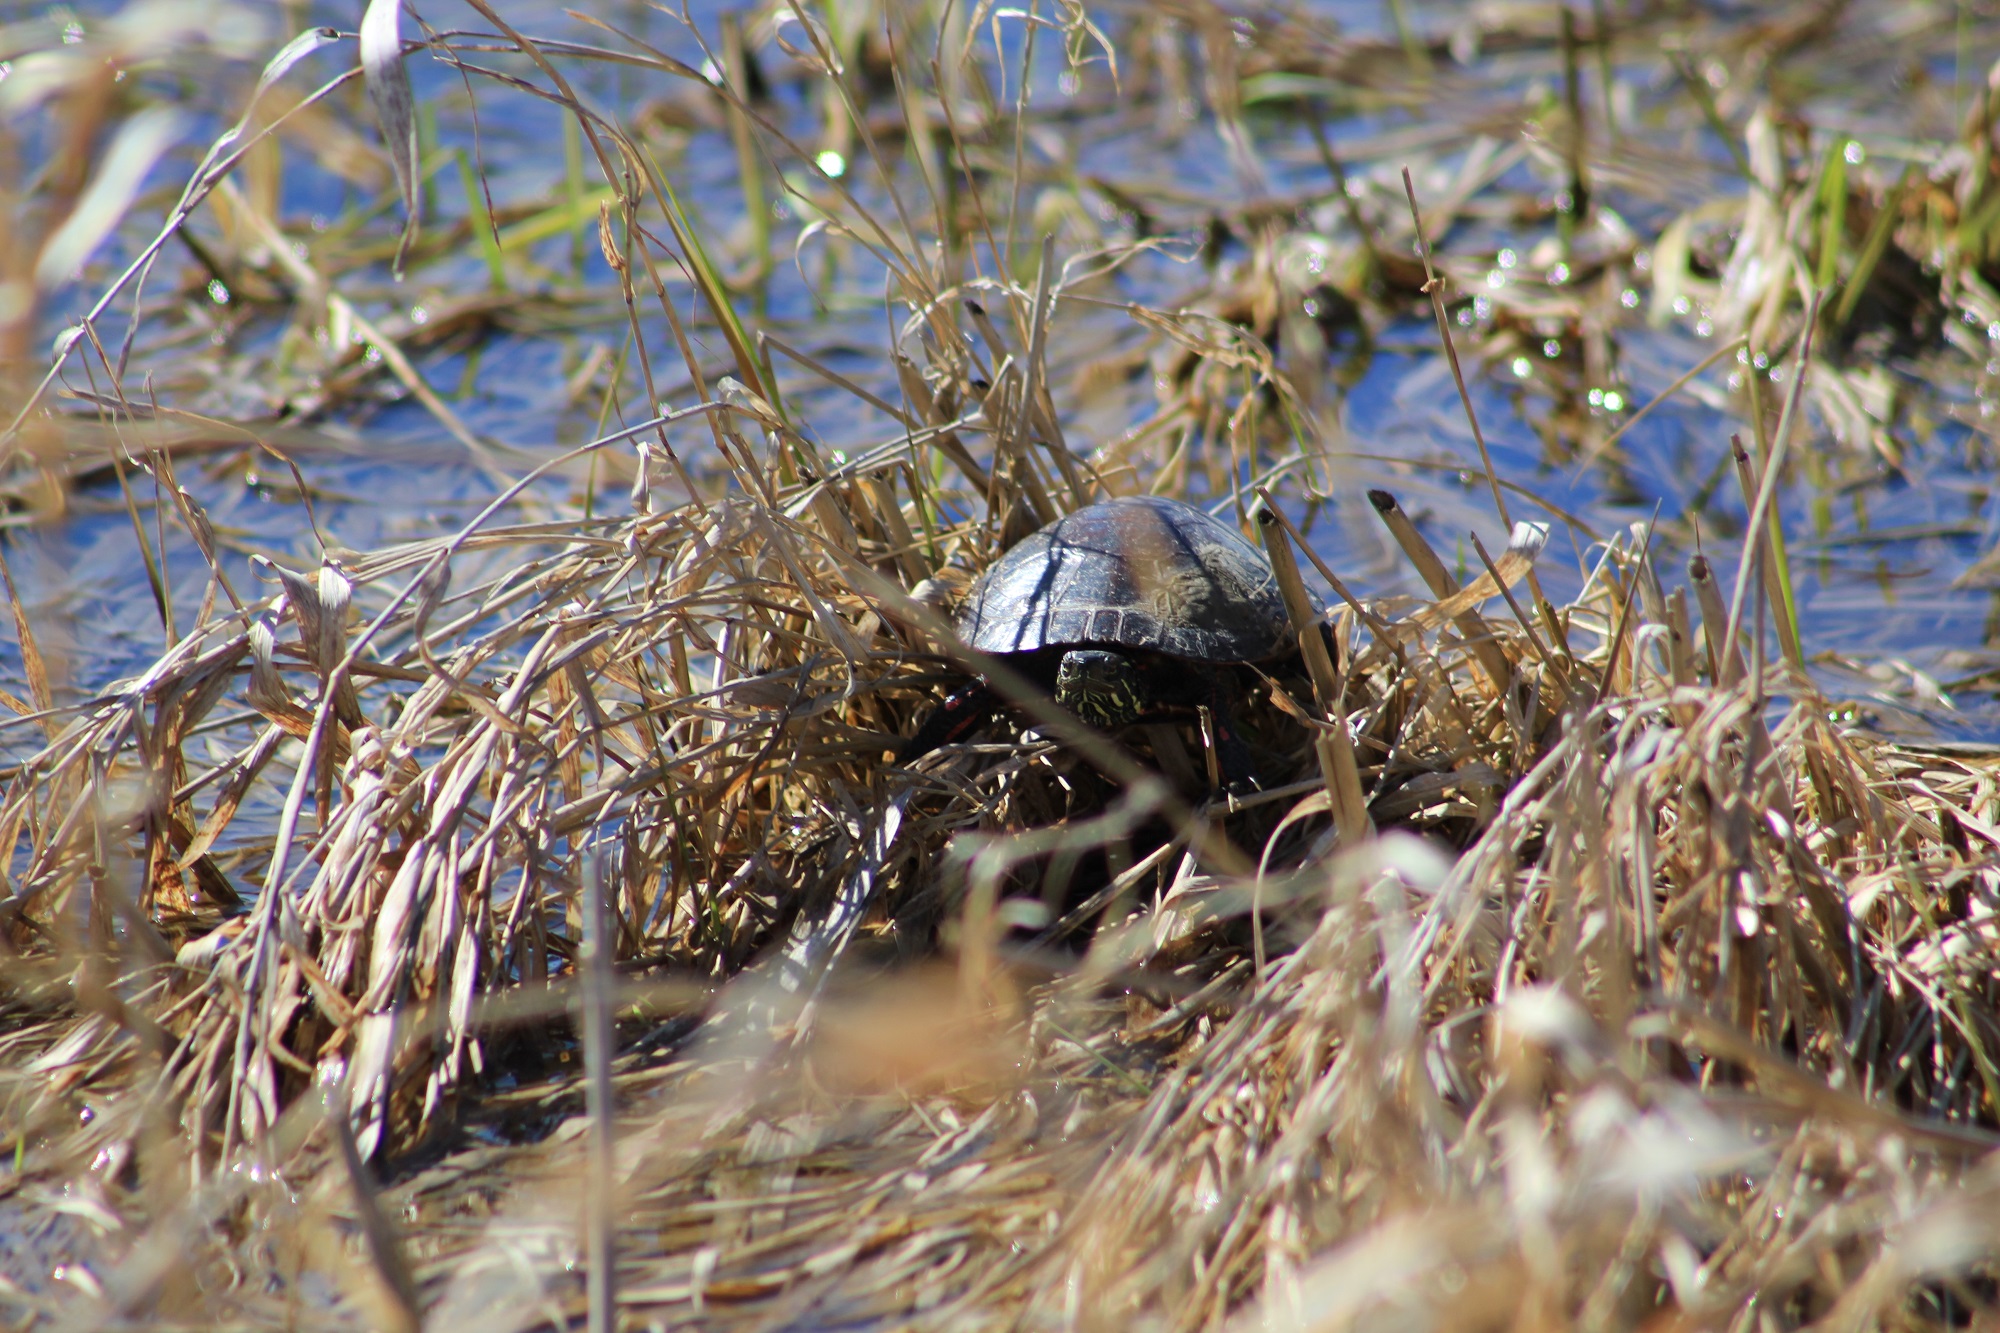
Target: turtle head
(1100,687)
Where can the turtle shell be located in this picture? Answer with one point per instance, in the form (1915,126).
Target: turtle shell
(1139,572)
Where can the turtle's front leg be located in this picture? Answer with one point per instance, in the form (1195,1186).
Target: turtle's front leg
(1239,771)
(955,719)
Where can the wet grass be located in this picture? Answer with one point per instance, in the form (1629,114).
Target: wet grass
(521,921)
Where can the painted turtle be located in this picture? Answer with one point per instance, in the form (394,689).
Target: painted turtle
(1124,610)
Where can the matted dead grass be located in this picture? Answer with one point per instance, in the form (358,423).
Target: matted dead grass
(1577,965)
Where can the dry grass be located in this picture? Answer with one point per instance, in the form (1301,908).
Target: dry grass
(1646,993)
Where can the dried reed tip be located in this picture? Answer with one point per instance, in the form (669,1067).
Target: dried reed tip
(1698,568)
(1383,501)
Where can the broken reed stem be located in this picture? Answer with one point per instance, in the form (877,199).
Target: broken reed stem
(1376,625)
(1771,554)
(1760,512)
(1725,657)
(1471,626)
(1434,289)
(1624,627)
(1725,662)
(1331,743)
(1555,679)
(1677,644)
(1305,621)
(1500,582)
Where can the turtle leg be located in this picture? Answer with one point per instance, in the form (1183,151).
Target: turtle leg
(1177,688)
(1239,771)
(955,719)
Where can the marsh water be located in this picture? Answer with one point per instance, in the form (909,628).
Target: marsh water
(1886,537)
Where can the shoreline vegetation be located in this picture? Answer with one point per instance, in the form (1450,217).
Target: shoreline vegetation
(524,925)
